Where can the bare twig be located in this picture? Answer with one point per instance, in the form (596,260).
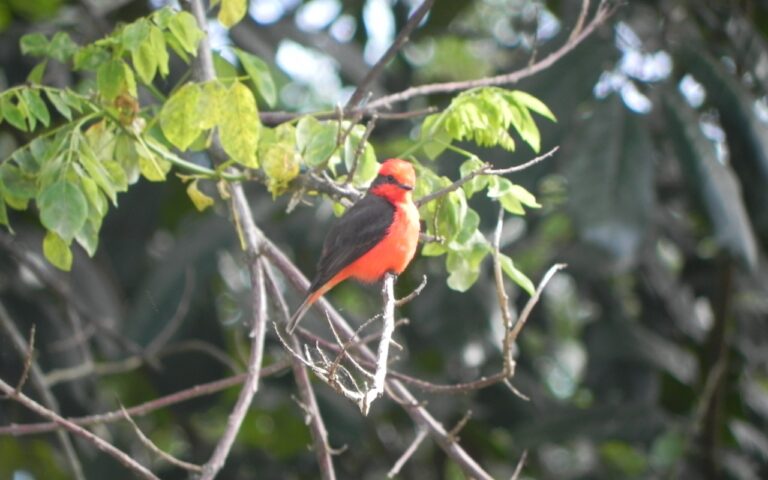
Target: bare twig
(388,315)
(520,323)
(35,375)
(27,360)
(484,170)
(501,294)
(421,434)
(580,21)
(454,433)
(361,147)
(400,41)
(100,443)
(315,421)
(415,293)
(520,465)
(147,407)
(157,450)
(603,12)
(236,417)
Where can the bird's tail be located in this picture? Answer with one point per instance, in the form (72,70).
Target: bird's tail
(302,310)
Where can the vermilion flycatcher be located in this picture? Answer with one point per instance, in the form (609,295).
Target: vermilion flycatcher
(376,236)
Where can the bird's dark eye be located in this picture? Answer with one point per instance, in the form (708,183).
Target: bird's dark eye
(390,179)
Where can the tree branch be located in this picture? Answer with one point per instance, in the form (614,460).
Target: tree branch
(100,443)
(397,45)
(603,12)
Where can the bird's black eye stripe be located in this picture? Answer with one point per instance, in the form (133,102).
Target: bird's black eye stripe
(390,179)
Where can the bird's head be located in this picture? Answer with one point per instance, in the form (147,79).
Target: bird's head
(395,180)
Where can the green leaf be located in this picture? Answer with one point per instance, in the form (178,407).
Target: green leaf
(63,209)
(532,103)
(12,113)
(55,98)
(62,47)
(232,11)
(97,171)
(501,190)
(36,75)
(259,73)
(57,251)
(145,61)
(508,266)
(451,211)
(90,57)
(226,73)
(316,140)
(16,183)
(478,183)
(36,106)
(88,236)
(211,104)
(159,49)
(94,196)
(240,126)
(625,458)
(4,212)
(134,34)
(185,29)
(128,158)
(367,166)
(524,196)
(199,199)
(34,44)
(179,118)
(114,78)
(153,168)
(433,249)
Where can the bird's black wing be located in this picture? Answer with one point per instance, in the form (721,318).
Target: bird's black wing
(357,231)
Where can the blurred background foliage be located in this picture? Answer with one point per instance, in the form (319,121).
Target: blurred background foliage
(647,357)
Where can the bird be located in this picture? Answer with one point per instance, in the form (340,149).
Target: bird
(375,236)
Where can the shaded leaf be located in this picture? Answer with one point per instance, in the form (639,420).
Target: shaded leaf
(114,78)
(63,209)
(259,73)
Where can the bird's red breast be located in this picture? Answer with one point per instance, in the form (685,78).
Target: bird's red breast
(377,235)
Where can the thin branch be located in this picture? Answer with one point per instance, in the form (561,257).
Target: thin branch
(454,433)
(400,41)
(157,450)
(321,447)
(27,360)
(35,375)
(361,147)
(147,407)
(580,21)
(236,417)
(388,315)
(503,299)
(484,170)
(415,293)
(100,443)
(520,465)
(408,453)
(603,12)
(523,318)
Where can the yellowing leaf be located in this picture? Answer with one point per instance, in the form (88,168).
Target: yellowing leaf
(57,251)
(199,199)
(232,11)
(212,95)
(179,117)
(240,126)
(184,27)
(153,168)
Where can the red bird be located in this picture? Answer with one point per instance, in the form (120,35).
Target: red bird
(376,236)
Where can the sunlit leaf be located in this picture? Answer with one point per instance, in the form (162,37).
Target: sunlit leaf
(186,31)
(232,11)
(508,266)
(240,125)
(259,73)
(179,117)
(57,251)
(115,78)
(200,200)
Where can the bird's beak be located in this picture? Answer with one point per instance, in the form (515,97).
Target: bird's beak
(405,187)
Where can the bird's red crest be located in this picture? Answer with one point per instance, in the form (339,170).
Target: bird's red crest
(401,170)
